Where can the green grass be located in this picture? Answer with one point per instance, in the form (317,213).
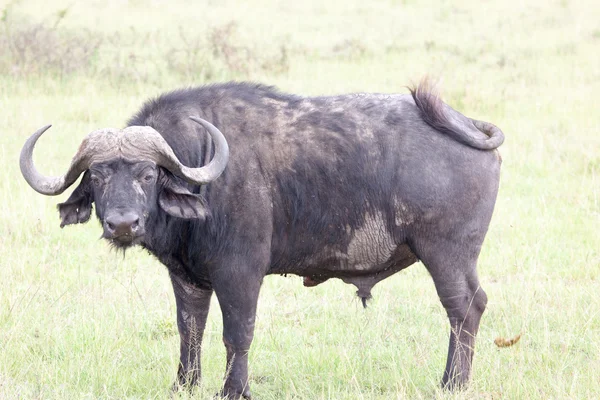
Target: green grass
(79,321)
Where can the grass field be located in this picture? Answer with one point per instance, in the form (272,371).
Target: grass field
(80,321)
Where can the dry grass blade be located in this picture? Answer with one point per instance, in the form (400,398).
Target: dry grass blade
(502,342)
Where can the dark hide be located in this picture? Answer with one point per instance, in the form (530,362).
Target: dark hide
(355,187)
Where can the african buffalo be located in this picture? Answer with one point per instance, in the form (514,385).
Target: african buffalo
(356,187)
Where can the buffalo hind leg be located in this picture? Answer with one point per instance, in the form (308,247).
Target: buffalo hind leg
(464,307)
(193,304)
(454,273)
(238,297)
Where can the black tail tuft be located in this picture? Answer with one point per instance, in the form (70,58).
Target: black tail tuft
(364,301)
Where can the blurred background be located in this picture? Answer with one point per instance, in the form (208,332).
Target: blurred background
(78,320)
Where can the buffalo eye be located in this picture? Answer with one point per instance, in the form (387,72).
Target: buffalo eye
(96,181)
(148,178)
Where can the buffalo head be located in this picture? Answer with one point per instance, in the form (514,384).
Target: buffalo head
(127,173)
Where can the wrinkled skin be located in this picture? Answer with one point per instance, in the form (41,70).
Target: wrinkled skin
(356,187)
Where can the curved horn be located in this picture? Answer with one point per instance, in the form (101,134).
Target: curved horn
(163,155)
(133,143)
(49,185)
(216,166)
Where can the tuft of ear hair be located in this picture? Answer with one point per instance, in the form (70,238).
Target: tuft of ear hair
(182,204)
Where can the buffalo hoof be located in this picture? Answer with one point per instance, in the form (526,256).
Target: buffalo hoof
(178,387)
(187,380)
(233,394)
(455,384)
(185,385)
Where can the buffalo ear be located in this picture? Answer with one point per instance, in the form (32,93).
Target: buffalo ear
(180,203)
(78,207)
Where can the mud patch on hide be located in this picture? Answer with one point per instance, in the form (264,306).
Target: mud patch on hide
(138,190)
(403,216)
(371,244)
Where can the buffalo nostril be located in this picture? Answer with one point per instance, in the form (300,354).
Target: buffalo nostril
(125,224)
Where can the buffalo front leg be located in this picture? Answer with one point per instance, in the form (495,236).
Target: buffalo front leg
(193,304)
(238,296)
(453,272)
